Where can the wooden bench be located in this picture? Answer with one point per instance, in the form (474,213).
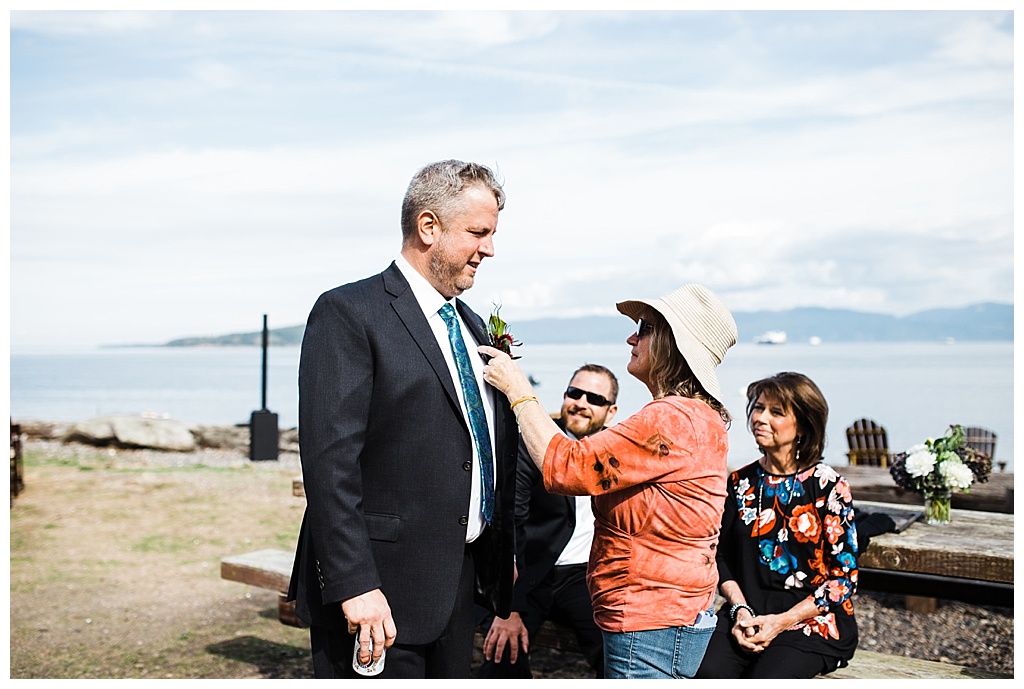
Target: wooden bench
(871,665)
(271,569)
(266,569)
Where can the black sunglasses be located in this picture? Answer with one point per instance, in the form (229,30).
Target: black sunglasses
(592,397)
(643,328)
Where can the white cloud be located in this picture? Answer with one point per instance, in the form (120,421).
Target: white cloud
(203,166)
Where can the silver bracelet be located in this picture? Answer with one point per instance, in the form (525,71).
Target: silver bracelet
(736,608)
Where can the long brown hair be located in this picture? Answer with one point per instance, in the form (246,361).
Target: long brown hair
(670,374)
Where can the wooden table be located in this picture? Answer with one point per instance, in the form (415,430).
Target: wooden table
(969,559)
(974,545)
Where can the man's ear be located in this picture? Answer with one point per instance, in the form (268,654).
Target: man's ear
(611,414)
(427,227)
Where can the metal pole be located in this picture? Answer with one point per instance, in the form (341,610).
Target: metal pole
(266,338)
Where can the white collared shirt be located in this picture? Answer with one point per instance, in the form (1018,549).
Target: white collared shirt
(577,550)
(430,300)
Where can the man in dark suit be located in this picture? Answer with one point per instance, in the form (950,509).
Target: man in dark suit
(408,458)
(553,537)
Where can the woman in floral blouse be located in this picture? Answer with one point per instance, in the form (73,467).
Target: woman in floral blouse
(658,481)
(787,559)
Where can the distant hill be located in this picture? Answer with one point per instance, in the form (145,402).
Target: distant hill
(280,337)
(978,323)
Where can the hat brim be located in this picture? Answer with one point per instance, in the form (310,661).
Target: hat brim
(698,357)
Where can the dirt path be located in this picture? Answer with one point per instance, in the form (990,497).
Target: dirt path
(115,570)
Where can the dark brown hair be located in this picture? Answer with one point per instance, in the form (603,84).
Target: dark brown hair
(598,368)
(797,393)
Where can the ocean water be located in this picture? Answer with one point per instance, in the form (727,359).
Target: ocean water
(915,390)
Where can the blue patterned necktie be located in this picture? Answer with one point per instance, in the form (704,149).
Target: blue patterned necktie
(474,406)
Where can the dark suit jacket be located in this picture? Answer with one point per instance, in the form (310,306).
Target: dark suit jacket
(386,462)
(544,524)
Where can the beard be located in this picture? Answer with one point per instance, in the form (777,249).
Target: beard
(582,426)
(447,269)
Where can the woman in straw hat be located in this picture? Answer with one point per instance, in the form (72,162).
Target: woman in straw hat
(788,556)
(658,481)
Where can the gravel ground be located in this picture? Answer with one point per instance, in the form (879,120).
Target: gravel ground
(970,635)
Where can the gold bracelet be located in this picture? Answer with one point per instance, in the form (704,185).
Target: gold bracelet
(523,399)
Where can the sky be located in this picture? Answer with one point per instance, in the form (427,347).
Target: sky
(180,174)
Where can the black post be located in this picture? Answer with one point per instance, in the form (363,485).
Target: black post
(263,431)
(266,341)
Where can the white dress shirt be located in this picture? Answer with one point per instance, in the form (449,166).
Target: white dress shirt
(430,300)
(577,550)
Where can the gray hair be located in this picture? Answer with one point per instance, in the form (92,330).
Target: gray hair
(437,188)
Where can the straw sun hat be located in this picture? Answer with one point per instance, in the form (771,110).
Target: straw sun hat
(702,325)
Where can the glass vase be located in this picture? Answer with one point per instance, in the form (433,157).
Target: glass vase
(936,506)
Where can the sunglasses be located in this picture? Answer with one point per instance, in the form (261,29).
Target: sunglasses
(643,328)
(592,397)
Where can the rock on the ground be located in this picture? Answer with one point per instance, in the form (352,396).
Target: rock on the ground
(134,431)
(222,437)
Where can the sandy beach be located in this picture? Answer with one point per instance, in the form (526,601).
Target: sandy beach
(115,574)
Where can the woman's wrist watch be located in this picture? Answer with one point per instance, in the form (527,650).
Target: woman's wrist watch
(736,608)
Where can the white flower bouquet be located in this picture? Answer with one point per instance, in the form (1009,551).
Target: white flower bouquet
(936,468)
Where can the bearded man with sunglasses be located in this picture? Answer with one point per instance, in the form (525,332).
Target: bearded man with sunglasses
(553,538)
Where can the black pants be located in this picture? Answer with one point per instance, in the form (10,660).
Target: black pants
(724,659)
(563,598)
(448,657)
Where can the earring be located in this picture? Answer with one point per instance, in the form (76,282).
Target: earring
(798,439)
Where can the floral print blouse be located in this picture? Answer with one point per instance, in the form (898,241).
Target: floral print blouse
(789,537)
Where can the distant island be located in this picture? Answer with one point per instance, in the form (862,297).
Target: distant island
(989,322)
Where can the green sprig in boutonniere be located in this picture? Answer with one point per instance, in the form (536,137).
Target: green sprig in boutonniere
(499,333)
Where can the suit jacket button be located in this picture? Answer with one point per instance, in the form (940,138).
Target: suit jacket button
(463,520)
(468,466)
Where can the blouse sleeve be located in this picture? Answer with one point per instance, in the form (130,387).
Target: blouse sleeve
(661,442)
(835,569)
(729,518)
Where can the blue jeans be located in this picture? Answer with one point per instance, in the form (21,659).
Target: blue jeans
(670,653)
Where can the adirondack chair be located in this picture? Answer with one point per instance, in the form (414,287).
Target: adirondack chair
(869,445)
(981,439)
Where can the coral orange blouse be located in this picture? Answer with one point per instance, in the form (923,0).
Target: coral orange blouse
(659,485)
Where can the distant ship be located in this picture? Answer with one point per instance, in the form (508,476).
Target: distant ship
(773,337)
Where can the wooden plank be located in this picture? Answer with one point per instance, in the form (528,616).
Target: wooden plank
(975,545)
(266,569)
(298,487)
(871,665)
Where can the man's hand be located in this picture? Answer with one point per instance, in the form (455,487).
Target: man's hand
(512,632)
(369,616)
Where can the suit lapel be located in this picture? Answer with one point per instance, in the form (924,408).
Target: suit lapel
(409,311)
(473,322)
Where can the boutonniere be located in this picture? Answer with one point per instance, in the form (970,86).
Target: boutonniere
(499,333)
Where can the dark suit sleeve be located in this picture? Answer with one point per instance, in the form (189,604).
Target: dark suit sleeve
(335,380)
(527,478)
